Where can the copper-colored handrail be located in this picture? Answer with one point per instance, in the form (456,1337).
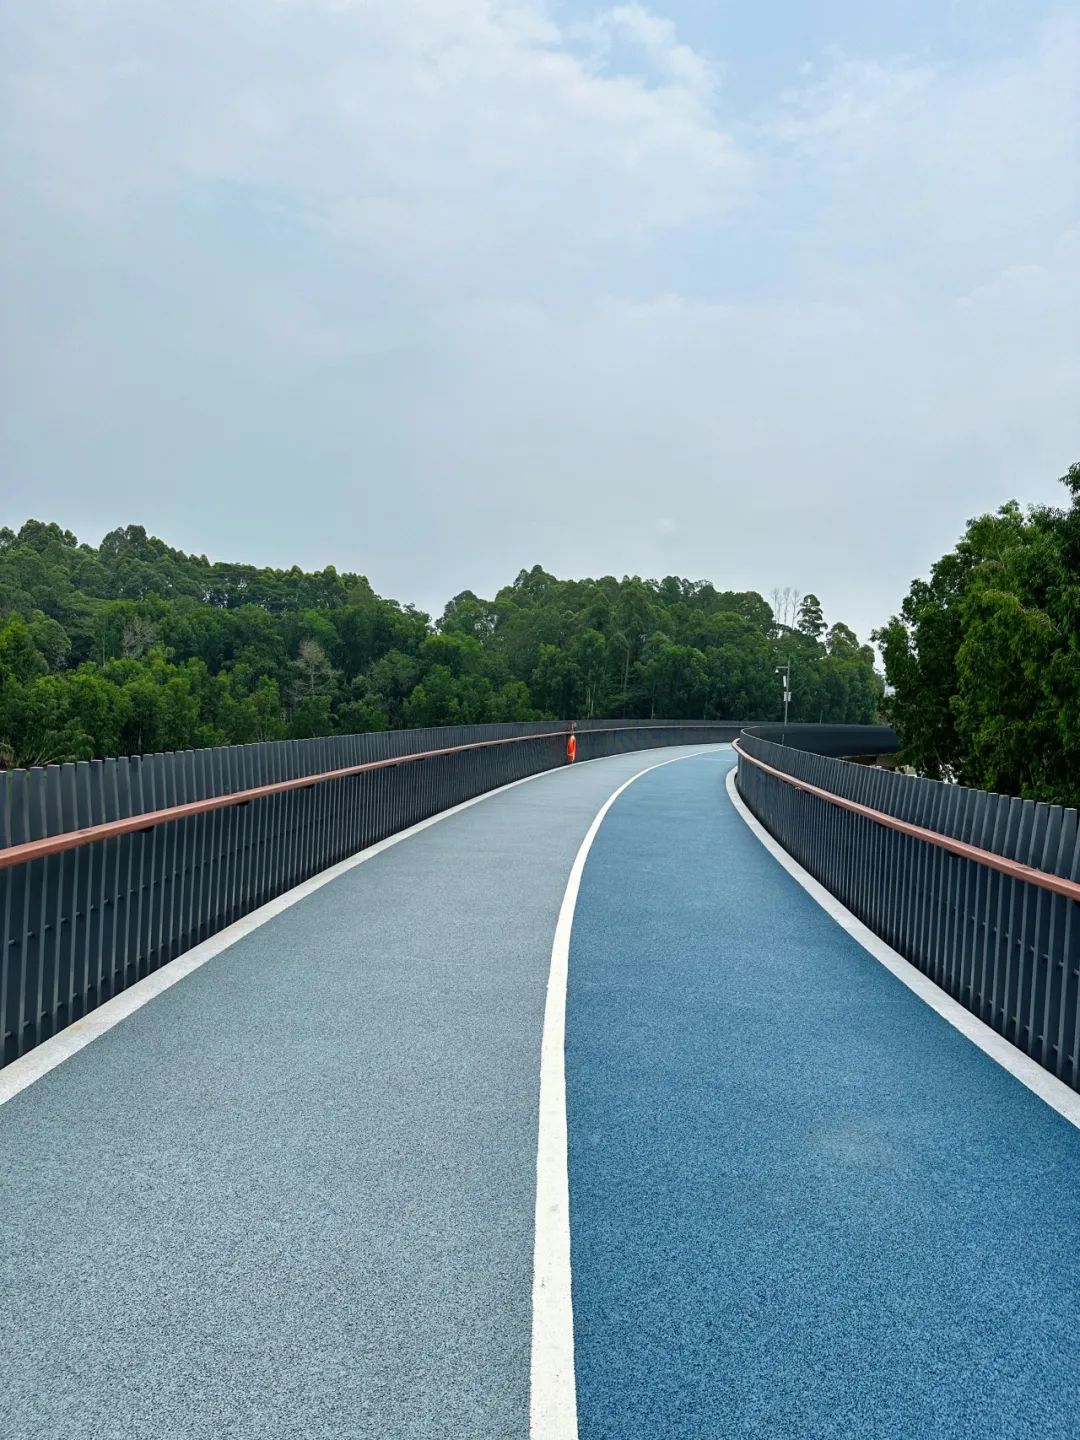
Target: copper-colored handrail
(1013,868)
(148,819)
(661,725)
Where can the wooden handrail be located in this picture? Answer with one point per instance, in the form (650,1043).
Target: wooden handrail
(1013,868)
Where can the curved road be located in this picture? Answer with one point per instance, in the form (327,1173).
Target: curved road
(801,1203)
(293,1195)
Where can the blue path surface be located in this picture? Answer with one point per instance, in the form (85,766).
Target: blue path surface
(801,1203)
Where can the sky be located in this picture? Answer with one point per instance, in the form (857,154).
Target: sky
(769,294)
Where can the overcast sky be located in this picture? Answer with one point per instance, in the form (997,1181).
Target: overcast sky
(768,294)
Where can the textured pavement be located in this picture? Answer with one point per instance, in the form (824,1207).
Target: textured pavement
(293,1195)
(802,1205)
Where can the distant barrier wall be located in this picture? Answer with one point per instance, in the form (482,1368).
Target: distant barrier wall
(836,740)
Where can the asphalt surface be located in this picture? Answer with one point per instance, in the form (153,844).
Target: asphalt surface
(293,1195)
(802,1205)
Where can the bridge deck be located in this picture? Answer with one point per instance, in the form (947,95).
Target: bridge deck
(293,1196)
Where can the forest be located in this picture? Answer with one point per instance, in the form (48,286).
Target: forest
(135,647)
(984,657)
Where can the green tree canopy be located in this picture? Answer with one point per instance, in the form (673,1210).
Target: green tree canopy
(984,656)
(136,646)
(811,620)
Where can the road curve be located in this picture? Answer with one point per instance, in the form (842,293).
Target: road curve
(293,1195)
(801,1203)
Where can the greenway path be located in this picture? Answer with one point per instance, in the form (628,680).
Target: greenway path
(295,1195)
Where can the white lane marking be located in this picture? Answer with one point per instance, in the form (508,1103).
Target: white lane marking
(552,1388)
(1046,1086)
(45,1057)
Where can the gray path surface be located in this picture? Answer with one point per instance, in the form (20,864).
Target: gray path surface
(293,1195)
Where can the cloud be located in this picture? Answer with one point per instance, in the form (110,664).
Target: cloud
(935,177)
(850,103)
(440,288)
(459,129)
(693,78)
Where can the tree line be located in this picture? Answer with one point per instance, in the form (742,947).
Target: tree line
(135,647)
(984,656)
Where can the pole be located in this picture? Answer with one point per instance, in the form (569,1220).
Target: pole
(785,670)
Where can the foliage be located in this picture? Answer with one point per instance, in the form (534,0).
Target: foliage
(984,657)
(137,647)
(811,621)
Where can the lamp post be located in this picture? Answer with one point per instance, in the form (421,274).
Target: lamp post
(785,670)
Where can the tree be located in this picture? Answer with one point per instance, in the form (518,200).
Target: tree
(361,717)
(50,640)
(392,679)
(677,678)
(134,645)
(984,656)
(785,604)
(841,640)
(635,617)
(557,683)
(445,699)
(513,702)
(462,654)
(20,659)
(466,614)
(588,654)
(314,675)
(137,637)
(311,715)
(811,621)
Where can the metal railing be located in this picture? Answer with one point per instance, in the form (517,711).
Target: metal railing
(838,740)
(111,868)
(980,892)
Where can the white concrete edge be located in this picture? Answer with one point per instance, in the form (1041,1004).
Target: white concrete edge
(22,1072)
(1047,1087)
(552,1384)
